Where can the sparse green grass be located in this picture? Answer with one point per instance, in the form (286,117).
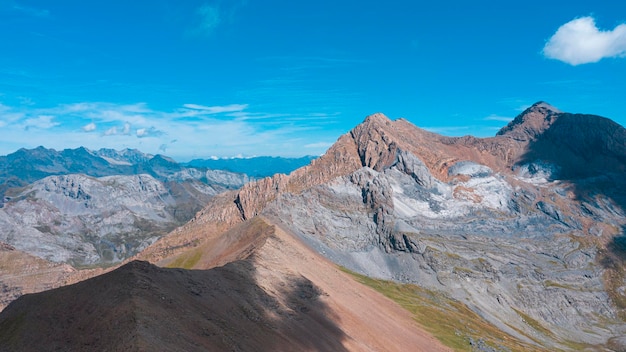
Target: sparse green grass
(550,283)
(81,266)
(534,324)
(449,320)
(614,262)
(187,260)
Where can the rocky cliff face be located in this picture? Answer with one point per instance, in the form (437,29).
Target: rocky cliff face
(65,218)
(26,166)
(98,207)
(526,227)
(84,220)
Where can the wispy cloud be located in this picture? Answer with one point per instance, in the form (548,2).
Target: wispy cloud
(210,16)
(111,131)
(32,11)
(90,127)
(318,145)
(207,18)
(494,117)
(149,132)
(476,130)
(16,7)
(217,109)
(200,130)
(580,42)
(41,122)
(449,130)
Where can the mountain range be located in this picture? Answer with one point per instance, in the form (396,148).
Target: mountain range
(509,243)
(86,207)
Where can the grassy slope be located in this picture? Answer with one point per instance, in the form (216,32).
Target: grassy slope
(452,322)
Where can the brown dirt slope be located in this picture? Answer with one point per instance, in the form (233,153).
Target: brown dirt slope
(21,273)
(276,295)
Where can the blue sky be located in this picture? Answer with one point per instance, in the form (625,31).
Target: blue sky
(193,79)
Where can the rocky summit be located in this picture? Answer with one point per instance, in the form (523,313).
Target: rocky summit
(524,232)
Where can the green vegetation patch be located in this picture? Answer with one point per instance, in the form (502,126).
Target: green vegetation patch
(187,260)
(534,323)
(449,320)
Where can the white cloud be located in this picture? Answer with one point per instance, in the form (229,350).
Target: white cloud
(217,109)
(494,117)
(149,132)
(318,145)
(41,121)
(199,130)
(580,42)
(111,131)
(89,127)
(448,130)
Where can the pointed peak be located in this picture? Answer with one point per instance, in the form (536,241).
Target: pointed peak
(542,105)
(377,117)
(531,122)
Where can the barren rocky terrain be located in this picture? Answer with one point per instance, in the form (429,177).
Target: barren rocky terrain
(85,207)
(529,237)
(274,294)
(524,230)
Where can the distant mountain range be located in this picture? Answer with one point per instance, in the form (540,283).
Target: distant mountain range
(509,243)
(92,207)
(88,207)
(260,166)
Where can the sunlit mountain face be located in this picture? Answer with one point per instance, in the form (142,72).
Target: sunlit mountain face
(519,234)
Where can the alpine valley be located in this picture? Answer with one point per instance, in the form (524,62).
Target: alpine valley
(396,239)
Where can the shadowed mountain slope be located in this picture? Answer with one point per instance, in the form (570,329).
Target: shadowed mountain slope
(525,229)
(522,227)
(274,295)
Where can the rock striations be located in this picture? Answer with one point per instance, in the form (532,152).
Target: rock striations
(525,229)
(517,225)
(274,295)
(87,207)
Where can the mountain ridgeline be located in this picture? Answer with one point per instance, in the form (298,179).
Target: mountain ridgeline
(88,207)
(508,243)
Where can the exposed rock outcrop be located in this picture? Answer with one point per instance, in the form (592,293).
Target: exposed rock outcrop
(275,294)
(525,228)
(518,225)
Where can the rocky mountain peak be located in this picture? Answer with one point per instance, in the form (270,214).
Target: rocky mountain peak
(453,213)
(531,122)
(377,118)
(377,140)
(542,105)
